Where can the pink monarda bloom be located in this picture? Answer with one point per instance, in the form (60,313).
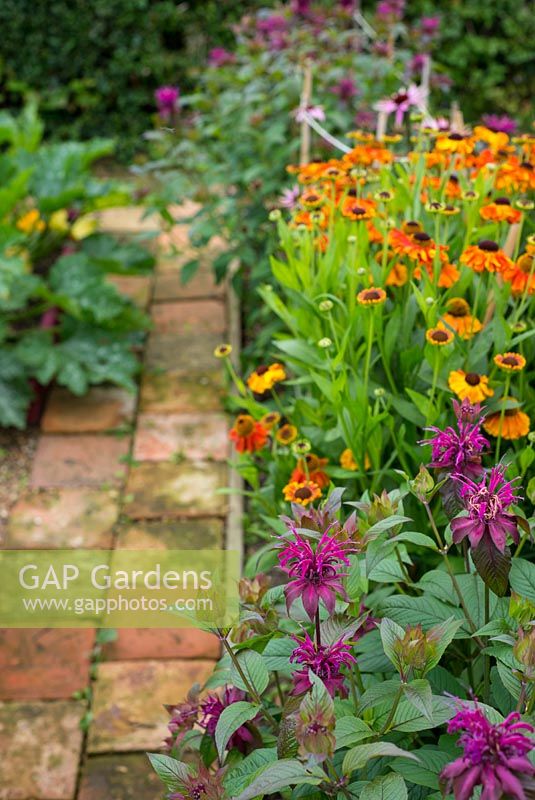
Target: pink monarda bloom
(494,757)
(213,707)
(346,89)
(218,57)
(459,451)
(486,503)
(167,100)
(499,124)
(402,101)
(325,661)
(314,574)
(429,25)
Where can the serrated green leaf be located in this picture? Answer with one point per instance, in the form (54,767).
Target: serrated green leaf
(232,718)
(274,777)
(359,756)
(385,787)
(253,667)
(170,771)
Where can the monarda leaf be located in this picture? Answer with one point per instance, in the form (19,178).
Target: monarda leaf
(492,565)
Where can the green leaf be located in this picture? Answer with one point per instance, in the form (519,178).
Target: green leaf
(253,667)
(385,787)
(391,633)
(379,693)
(359,756)
(418,693)
(277,653)
(432,762)
(238,777)
(426,611)
(173,773)
(350,730)
(232,718)
(522,578)
(419,539)
(274,777)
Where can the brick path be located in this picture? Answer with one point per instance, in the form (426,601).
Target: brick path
(115,470)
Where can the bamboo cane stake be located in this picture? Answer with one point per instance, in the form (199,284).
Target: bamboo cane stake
(306,94)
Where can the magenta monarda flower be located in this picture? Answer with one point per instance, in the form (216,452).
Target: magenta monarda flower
(213,707)
(346,89)
(390,9)
(167,100)
(183,717)
(325,661)
(218,57)
(429,25)
(402,101)
(200,785)
(499,124)
(314,574)
(495,757)
(486,504)
(459,450)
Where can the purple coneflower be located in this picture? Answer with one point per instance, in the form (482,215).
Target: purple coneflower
(495,757)
(316,112)
(314,575)
(459,450)
(218,57)
(289,197)
(167,100)
(346,89)
(499,124)
(213,707)
(325,661)
(402,101)
(486,503)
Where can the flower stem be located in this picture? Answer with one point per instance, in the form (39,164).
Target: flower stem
(502,415)
(318,629)
(486,668)
(246,682)
(393,710)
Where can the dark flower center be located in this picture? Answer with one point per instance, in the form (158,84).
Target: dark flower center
(358,210)
(502,201)
(457,307)
(526,165)
(421,237)
(456,137)
(488,246)
(400,98)
(316,727)
(439,336)
(454,178)
(261,370)
(352,193)
(472,378)
(304,493)
(510,361)
(372,294)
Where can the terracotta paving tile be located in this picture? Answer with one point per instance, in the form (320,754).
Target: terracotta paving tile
(44,664)
(192,436)
(189,317)
(160,489)
(162,643)
(181,392)
(135,287)
(128,219)
(129,697)
(85,460)
(63,518)
(169,285)
(40,745)
(176,352)
(171,534)
(101,409)
(119,777)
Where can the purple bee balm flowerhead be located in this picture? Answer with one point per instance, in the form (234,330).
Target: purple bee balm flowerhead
(486,503)
(183,717)
(325,661)
(390,9)
(218,57)
(459,450)
(213,707)
(275,23)
(301,7)
(499,124)
(167,100)
(346,89)
(429,25)
(495,757)
(200,785)
(314,573)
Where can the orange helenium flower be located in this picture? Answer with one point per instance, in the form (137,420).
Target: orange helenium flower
(470,385)
(263,379)
(439,336)
(311,469)
(521,274)
(357,208)
(510,362)
(514,425)
(500,210)
(458,317)
(286,434)
(371,297)
(485,255)
(301,493)
(247,434)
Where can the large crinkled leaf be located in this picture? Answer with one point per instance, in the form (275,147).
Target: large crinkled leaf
(274,777)
(237,778)
(232,717)
(385,787)
(359,756)
(172,772)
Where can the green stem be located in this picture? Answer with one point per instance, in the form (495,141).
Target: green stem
(486,668)
(393,710)
(502,415)
(436,368)
(250,688)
